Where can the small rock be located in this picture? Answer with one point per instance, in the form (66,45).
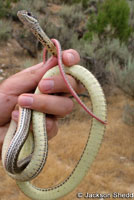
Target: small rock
(1,78)
(128,115)
(1,70)
(122,158)
(3,65)
(9,44)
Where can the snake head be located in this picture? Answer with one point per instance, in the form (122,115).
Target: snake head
(27,17)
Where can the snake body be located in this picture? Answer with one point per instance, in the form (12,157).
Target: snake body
(34,163)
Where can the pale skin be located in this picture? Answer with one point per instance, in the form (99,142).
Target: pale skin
(16,90)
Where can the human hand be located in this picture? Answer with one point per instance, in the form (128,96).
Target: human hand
(16,90)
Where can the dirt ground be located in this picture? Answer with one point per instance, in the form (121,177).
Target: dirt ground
(113,168)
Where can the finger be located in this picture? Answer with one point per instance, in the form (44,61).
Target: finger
(56,84)
(70,57)
(51,124)
(50,104)
(52,127)
(15,115)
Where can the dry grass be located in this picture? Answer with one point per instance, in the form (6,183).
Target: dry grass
(113,169)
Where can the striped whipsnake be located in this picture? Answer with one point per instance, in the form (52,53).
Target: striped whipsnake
(31,165)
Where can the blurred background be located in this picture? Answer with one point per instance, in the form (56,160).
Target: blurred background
(102,31)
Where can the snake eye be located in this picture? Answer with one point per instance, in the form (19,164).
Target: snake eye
(29,14)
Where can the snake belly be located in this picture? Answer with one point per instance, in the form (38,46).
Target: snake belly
(93,142)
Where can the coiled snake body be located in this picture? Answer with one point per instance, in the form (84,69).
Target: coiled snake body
(17,146)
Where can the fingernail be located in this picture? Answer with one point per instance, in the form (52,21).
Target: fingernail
(47,84)
(25,101)
(70,57)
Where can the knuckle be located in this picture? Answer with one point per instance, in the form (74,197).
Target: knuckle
(49,123)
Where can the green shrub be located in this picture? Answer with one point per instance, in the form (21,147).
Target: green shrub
(128,114)
(5,7)
(70,1)
(40,6)
(72,16)
(113,50)
(112,20)
(125,76)
(98,57)
(84,3)
(5,30)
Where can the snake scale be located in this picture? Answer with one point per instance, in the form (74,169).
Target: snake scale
(18,144)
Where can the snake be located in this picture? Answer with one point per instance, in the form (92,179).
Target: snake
(24,153)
